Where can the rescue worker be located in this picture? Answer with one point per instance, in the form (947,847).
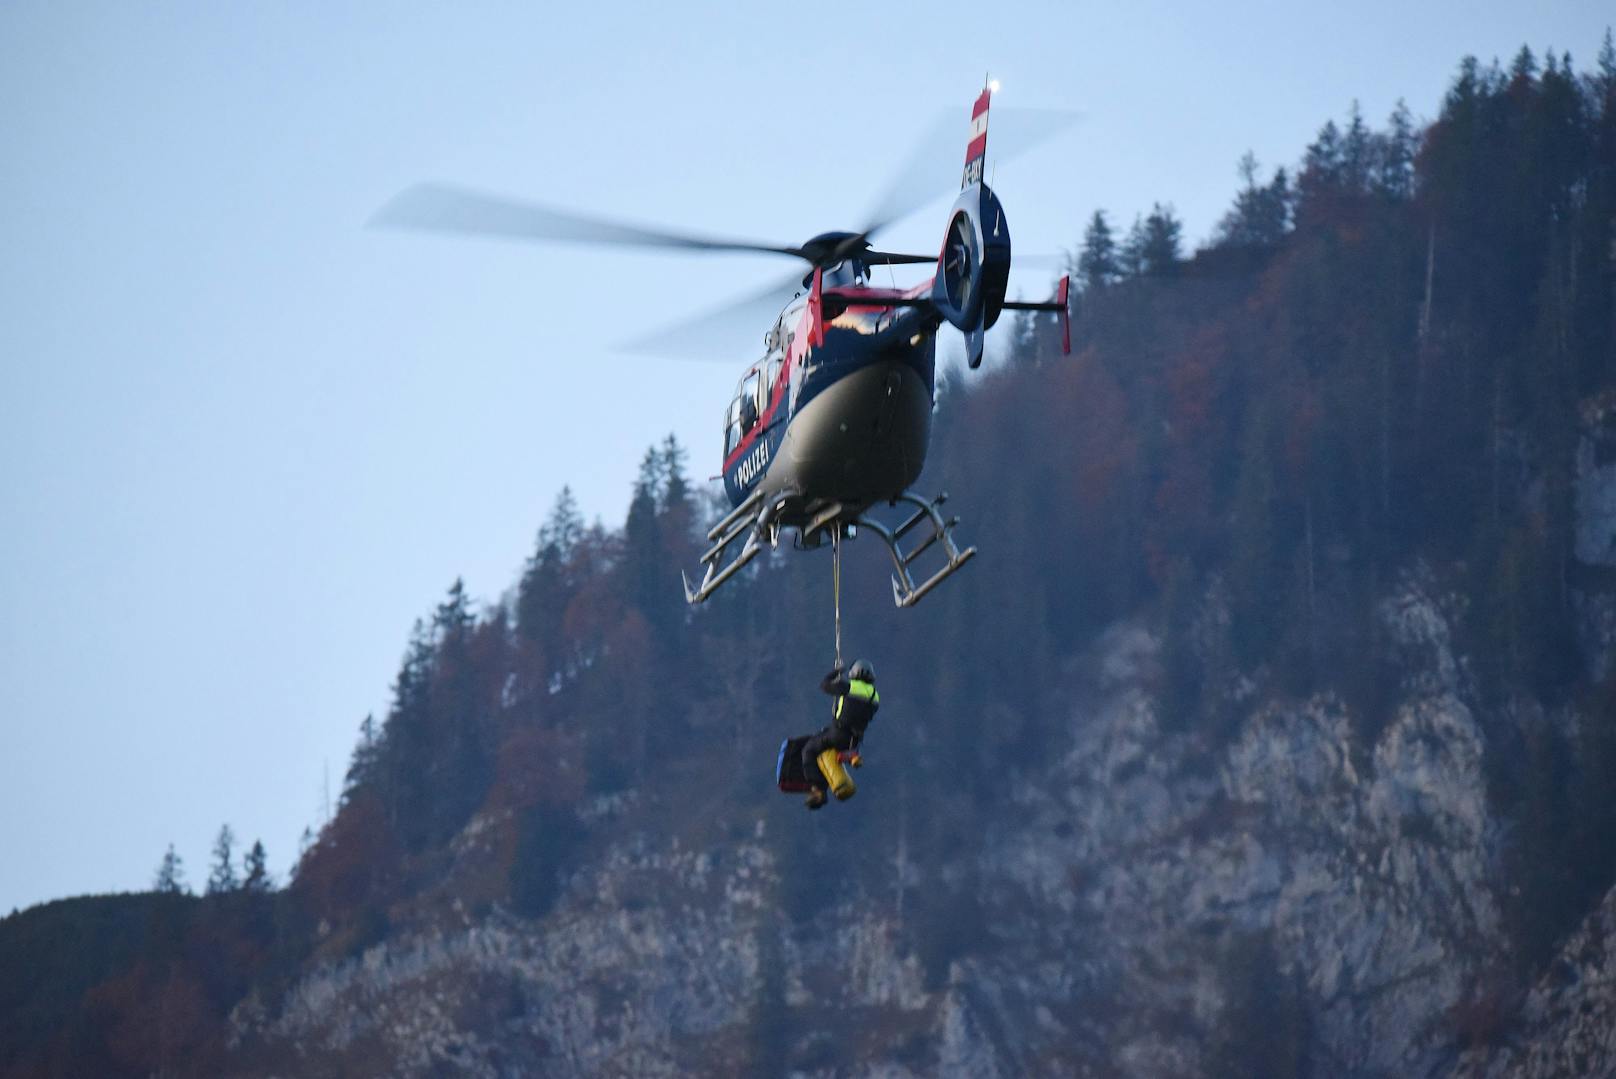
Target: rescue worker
(856,702)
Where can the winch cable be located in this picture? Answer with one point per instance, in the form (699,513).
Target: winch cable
(836,578)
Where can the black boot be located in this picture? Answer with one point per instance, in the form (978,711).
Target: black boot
(816,799)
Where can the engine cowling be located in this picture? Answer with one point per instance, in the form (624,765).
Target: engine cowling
(973,268)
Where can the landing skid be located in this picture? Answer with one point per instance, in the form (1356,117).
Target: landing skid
(743,521)
(905,593)
(751,525)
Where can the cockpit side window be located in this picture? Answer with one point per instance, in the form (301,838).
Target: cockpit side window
(771,376)
(750,398)
(772,362)
(732,426)
(743,412)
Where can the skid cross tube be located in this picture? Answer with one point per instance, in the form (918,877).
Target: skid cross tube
(905,593)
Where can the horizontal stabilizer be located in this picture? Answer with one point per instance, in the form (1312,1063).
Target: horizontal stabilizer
(1058,304)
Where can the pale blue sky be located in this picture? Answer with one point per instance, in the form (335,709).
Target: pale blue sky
(247,441)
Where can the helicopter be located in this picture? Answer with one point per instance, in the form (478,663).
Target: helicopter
(835,418)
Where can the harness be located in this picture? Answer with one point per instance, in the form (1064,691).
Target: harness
(859,717)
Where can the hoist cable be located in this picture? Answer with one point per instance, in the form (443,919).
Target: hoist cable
(836,576)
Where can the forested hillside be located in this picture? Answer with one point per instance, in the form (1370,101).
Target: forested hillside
(1273,730)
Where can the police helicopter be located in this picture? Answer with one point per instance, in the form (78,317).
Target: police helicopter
(834,420)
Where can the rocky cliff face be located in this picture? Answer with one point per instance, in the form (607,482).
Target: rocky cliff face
(1149,904)
(1359,873)
(648,966)
(1568,1023)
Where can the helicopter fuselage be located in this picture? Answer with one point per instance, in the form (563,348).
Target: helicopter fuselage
(835,421)
(836,417)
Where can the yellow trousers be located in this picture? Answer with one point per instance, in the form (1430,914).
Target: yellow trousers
(841,784)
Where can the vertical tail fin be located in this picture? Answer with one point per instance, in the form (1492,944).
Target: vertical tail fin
(977,149)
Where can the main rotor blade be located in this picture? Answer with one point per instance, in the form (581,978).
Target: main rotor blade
(939,156)
(442,208)
(731,332)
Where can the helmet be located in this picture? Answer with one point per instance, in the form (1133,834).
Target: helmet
(862,672)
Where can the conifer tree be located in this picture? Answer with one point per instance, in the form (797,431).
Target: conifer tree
(170,877)
(641,542)
(255,870)
(1261,213)
(1131,256)
(449,764)
(406,750)
(675,488)
(548,583)
(222,877)
(454,615)
(409,687)
(362,767)
(565,526)
(1357,153)
(1605,81)
(1097,264)
(1394,172)
(1523,69)
(680,534)
(1321,176)
(1159,253)
(1466,91)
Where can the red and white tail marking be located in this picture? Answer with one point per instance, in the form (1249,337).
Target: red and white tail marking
(977,150)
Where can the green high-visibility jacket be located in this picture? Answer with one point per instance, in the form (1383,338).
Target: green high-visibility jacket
(856,702)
